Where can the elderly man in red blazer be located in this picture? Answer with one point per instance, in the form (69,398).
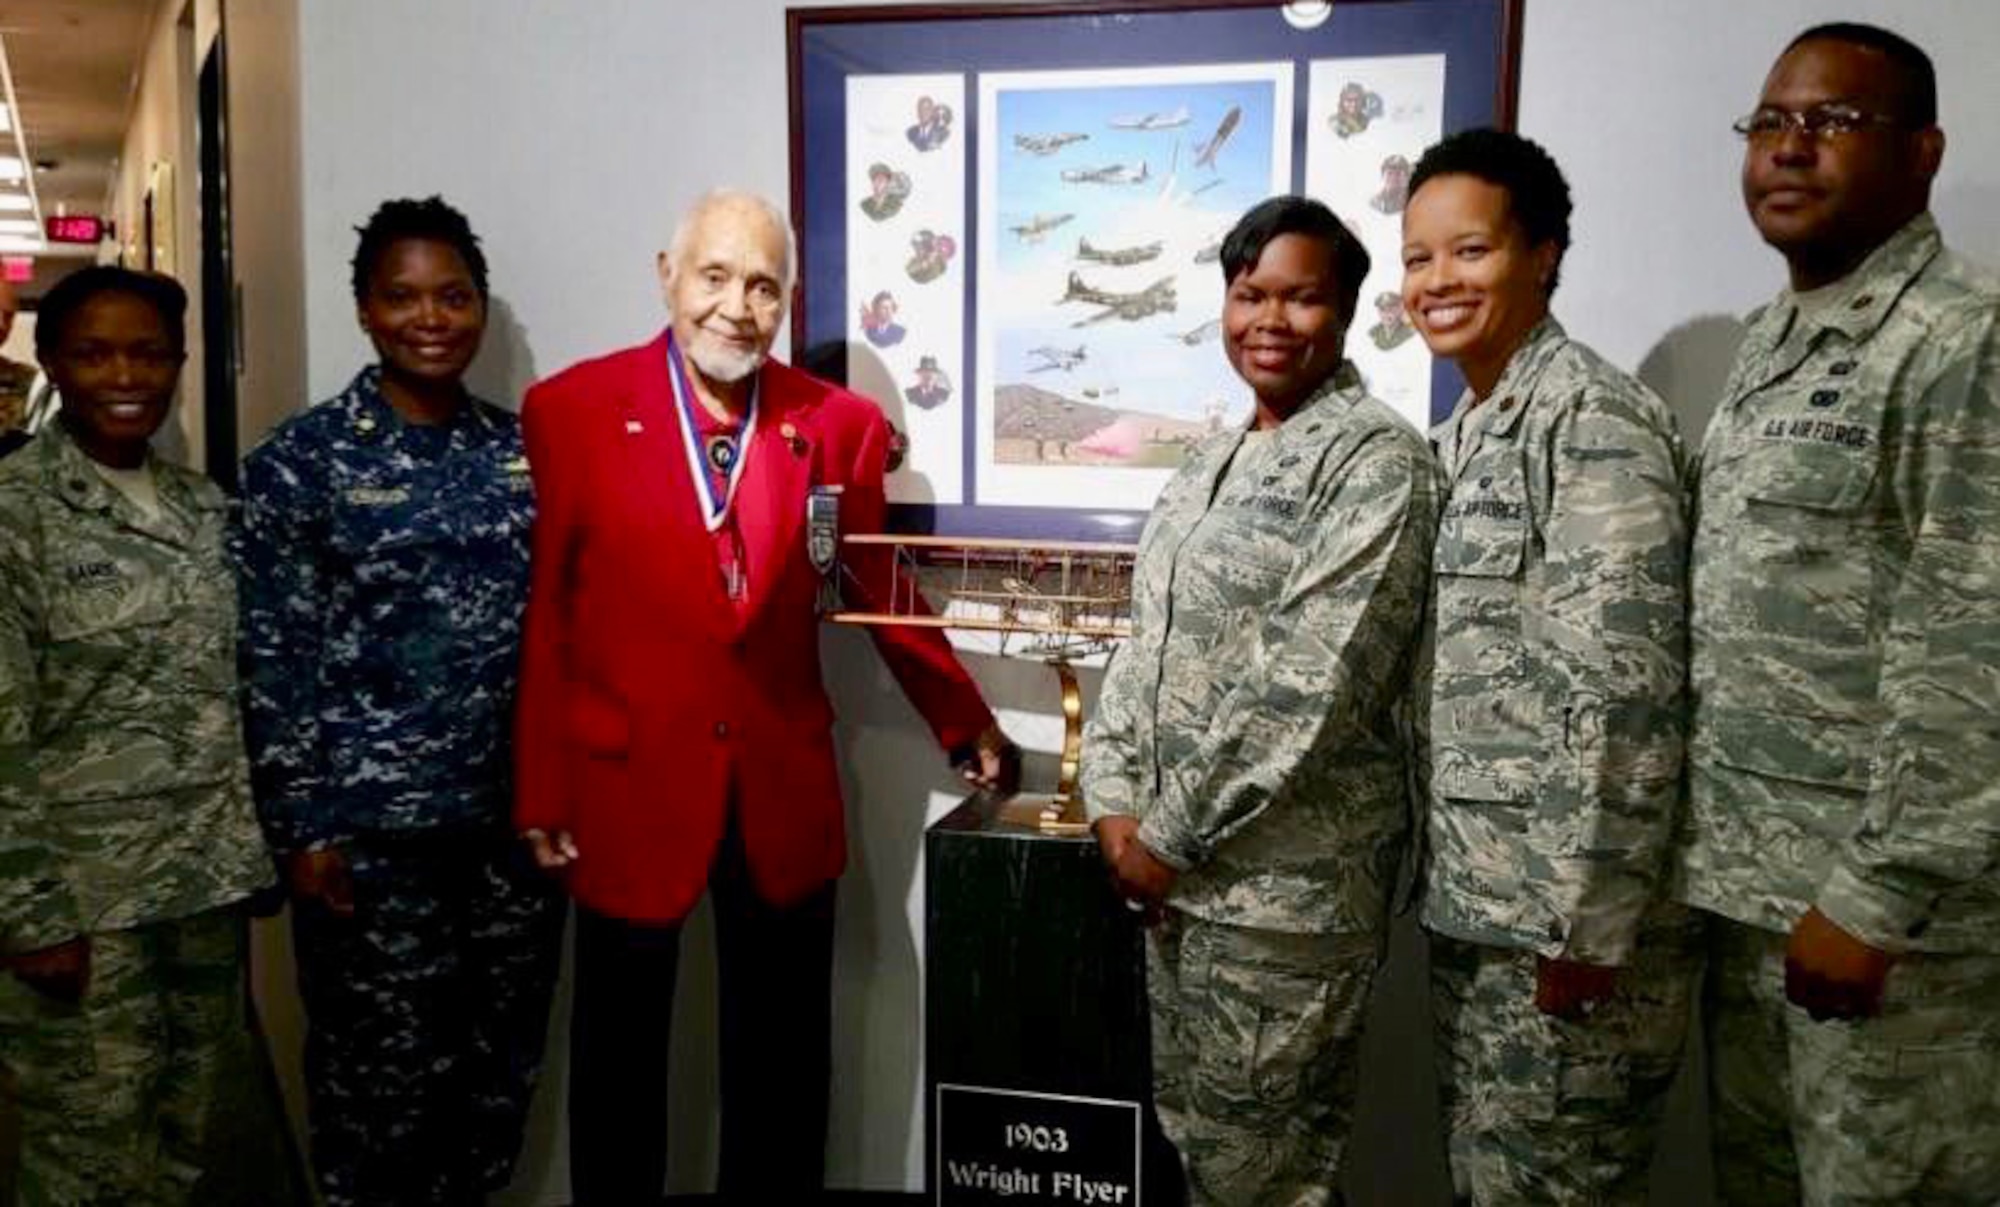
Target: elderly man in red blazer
(673,733)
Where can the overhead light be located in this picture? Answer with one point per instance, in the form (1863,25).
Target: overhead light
(16,203)
(1308,14)
(19,226)
(14,164)
(21,243)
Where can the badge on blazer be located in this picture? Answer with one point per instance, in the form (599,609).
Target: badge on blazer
(897,449)
(823,542)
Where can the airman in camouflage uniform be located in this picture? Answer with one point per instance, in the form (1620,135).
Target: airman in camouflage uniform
(1555,776)
(127,838)
(1561,978)
(16,379)
(1844,766)
(1256,726)
(384,572)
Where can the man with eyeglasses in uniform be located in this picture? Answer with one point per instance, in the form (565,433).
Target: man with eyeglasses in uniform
(1844,817)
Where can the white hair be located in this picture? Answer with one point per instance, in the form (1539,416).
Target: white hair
(719,198)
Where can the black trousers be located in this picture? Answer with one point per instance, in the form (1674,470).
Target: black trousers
(776,969)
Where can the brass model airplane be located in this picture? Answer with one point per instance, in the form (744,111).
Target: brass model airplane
(1065,600)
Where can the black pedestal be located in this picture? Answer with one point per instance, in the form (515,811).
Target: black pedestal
(1035,994)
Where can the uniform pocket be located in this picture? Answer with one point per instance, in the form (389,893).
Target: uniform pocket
(1807,750)
(1270,1031)
(1811,477)
(1257,1033)
(1475,833)
(126,599)
(1486,522)
(1291,1040)
(389,539)
(1481,548)
(1481,784)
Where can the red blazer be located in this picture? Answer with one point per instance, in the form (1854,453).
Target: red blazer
(646,696)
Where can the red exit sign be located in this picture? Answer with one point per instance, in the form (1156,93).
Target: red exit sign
(73,228)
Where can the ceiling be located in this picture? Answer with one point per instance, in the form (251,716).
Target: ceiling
(75,65)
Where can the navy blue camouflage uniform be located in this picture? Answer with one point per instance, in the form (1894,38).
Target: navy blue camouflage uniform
(384,570)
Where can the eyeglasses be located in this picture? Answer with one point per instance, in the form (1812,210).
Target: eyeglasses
(1819,122)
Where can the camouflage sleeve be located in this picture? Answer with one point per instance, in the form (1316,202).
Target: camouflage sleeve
(37,908)
(1614,629)
(1108,777)
(1325,651)
(279,580)
(1932,821)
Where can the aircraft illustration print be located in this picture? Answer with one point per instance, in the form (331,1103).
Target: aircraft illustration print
(1100,345)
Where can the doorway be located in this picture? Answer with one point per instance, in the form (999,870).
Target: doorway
(221,345)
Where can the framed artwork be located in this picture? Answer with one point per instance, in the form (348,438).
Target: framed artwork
(1010,218)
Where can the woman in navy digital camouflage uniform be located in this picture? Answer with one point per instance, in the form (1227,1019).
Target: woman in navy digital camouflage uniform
(384,569)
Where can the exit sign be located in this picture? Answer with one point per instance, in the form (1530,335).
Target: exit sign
(73,228)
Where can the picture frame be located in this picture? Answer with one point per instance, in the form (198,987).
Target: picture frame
(1009,218)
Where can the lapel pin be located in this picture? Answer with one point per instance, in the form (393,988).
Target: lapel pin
(633,427)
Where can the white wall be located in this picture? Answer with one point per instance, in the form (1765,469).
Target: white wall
(162,133)
(262,45)
(572,138)
(261,48)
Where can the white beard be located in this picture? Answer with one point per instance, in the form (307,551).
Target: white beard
(722,364)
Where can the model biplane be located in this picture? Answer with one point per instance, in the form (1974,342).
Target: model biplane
(1054,601)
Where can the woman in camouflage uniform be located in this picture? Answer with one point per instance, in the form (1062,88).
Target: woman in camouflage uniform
(384,566)
(1560,976)
(128,847)
(1246,767)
